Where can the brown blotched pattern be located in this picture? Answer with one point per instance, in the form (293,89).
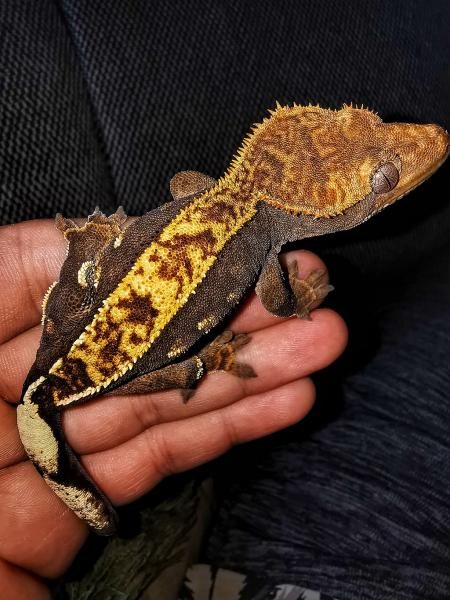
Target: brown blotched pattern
(320,162)
(157,287)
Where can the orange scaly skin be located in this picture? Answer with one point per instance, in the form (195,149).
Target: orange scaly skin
(134,306)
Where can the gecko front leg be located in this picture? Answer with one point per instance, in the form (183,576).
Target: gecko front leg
(289,296)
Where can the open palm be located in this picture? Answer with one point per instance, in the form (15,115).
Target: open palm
(129,443)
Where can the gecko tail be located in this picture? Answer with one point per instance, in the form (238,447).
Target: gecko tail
(42,437)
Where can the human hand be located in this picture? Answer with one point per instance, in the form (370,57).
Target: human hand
(128,444)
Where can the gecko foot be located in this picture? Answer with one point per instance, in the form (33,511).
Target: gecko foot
(220,355)
(309,292)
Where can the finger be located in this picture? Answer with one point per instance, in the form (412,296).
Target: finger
(17,355)
(11,449)
(20,585)
(290,350)
(131,469)
(30,511)
(31,255)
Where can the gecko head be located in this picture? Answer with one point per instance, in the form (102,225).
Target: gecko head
(321,162)
(417,151)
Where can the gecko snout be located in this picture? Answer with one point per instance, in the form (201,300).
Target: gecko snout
(439,138)
(430,146)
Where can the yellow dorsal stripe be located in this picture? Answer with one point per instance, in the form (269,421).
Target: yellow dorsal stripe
(152,293)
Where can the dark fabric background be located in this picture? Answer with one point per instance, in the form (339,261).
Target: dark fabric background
(102,102)
(354,500)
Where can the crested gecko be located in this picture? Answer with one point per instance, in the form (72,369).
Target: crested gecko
(139,307)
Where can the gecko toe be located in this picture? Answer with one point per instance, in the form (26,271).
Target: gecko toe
(309,292)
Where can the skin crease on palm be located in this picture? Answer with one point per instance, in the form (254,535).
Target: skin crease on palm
(128,444)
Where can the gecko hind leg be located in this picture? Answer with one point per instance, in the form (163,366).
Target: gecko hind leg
(219,355)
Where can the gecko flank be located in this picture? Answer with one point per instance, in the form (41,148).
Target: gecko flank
(139,307)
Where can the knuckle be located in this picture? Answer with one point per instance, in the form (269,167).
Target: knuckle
(145,410)
(162,457)
(230,432)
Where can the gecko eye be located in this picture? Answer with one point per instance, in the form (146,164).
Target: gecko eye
(385,178)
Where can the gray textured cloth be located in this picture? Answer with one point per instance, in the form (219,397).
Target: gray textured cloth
(355,501)
(102,102)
